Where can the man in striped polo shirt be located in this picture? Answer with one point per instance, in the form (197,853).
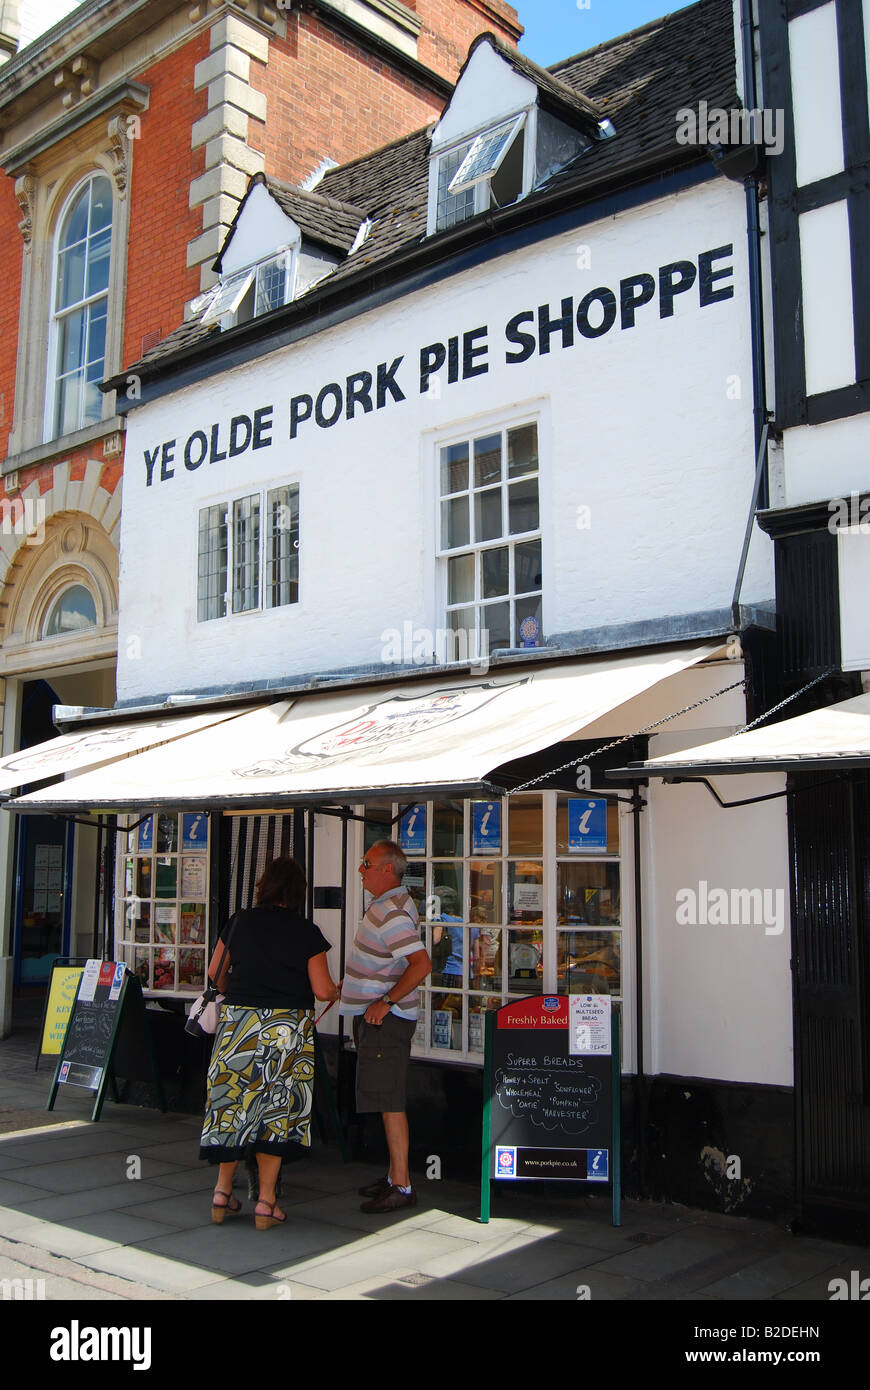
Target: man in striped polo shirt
(384,966)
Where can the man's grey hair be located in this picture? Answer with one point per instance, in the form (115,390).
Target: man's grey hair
(392,854)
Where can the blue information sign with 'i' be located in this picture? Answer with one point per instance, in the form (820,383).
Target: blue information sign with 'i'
(587,824)
(412,830)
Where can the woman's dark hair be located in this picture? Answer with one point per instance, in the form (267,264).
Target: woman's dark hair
(281,885)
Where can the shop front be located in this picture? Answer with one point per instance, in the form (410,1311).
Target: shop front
(532,873)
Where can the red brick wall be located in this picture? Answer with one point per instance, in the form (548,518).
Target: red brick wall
(10,305)
(327,96)
(449,26)
(161,223)
(43,473)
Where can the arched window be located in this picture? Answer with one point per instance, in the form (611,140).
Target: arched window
(72,611)
(81,304)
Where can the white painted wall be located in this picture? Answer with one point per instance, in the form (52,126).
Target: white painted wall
(717,997)
(262,229)
(649,427)
(489,90)
(815,78)
(826,279)
(853,564)
(826,461)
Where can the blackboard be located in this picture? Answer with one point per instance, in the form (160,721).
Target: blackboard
(91,1030)
(549,1114)
(108,999)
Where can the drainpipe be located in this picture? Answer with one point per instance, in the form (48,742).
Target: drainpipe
(753,231)
(642,1105)
(741,165)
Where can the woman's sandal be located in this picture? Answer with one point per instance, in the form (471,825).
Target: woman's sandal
(263,1222)
(219,1210)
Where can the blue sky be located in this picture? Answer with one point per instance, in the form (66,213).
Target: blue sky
(560,28)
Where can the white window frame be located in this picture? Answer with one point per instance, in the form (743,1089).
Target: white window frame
(225,307)
(262,495)
(52,394)
(481,189)
(511,420)
(126,946)
(550,858)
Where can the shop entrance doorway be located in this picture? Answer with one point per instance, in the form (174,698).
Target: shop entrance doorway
(52,861)
(43,865)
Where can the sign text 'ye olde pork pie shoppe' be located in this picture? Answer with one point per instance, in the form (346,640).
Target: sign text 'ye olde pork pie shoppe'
(529,332)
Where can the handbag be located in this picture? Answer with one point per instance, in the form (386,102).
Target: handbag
(202,1021)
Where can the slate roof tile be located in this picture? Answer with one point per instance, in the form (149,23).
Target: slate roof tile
(638,80)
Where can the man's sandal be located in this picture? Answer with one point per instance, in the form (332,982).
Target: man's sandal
(264,1221)
(230,1204)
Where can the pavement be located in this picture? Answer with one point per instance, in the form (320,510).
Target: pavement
(120,1211)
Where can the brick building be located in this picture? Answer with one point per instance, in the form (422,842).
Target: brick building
(128,133)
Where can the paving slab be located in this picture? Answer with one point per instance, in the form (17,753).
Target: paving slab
(53,1288)
(194,1180)
(66,1206)
(13,1191)
(582,1286)
(68,1145)
(519,1262)
(144,1267)
(401,1255)
(83,1174)
(484,1233)
(343,1209)
(121,1228)
(52,1236)
(252,1288)
(413,1288)
(180,1151)
(183,1210)
(237,1247)
(775,1275)
(673,1255)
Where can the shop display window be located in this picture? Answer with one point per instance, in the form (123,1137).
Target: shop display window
(162,927)
(538,912)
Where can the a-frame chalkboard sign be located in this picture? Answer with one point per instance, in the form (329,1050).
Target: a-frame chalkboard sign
(108,1005)
(552,1094)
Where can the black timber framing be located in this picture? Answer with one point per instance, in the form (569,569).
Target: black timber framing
(787,202)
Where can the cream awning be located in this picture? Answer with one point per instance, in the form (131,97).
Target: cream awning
(412,740)
(832,738)
(87,748)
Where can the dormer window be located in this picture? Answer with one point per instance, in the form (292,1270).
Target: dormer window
(485,156)
(246,294)
(489,170)
(507,129)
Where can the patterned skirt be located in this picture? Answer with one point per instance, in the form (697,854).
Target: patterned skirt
(260,1083)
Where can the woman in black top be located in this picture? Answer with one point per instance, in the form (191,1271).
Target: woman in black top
(261,1077)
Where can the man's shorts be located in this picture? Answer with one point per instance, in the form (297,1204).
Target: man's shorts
(383,1053)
